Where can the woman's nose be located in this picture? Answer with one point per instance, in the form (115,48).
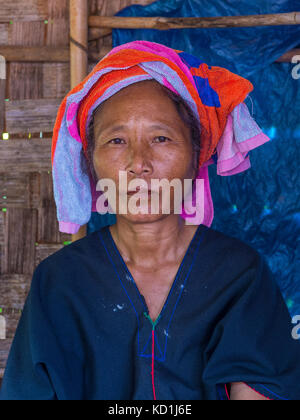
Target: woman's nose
(139,161)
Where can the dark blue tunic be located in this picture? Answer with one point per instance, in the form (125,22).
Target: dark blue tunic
(85,331)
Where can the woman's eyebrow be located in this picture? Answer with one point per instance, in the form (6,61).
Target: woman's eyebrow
(125,126)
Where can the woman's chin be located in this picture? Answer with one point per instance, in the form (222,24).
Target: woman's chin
(144,218)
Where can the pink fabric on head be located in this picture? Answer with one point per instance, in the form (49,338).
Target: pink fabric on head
(204,213)
(71,113)
(73,130)
(169,86)
(69,227)
(253,142)
(232,152)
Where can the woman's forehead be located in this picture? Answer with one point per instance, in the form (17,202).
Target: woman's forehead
(148,90)
(137,101)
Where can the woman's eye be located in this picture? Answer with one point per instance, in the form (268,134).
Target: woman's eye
(116,141)
(162,139)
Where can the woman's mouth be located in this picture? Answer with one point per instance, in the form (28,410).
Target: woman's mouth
(143,192)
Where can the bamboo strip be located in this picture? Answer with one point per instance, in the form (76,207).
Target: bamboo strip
(23,10)
(33,155)
(2,105)
(31,115)
(2,226)
(2,93)
(43,250)
(14,187)
(5,346)
(19,244)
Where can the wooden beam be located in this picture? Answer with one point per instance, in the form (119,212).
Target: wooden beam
(287,57)
(97,56)
(163,23)
(97,33)
(32,54)
(79,57)
(16,54)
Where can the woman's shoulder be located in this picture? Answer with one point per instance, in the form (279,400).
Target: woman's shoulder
(229,263)
(75,267)
(227,248)
(87,247)
(72,264)
(229,240)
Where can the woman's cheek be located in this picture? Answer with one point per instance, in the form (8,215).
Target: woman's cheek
(107,164)
(174,167)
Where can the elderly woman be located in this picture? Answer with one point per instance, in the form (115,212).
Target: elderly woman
(152,307)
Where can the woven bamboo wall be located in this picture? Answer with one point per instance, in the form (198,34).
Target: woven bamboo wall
(29,100)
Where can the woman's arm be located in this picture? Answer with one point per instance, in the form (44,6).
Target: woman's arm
(242,392)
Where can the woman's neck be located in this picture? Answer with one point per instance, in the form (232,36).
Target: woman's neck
(148,245)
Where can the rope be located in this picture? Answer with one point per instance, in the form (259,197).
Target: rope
(82,47)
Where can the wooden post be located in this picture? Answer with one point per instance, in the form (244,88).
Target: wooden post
(78,56)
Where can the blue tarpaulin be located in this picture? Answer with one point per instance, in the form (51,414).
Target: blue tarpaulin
(262,205)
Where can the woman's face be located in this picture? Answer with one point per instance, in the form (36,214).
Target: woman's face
(138,130)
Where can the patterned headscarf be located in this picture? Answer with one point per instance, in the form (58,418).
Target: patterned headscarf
(215,95)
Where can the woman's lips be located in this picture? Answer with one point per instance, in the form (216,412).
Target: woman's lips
(139,191)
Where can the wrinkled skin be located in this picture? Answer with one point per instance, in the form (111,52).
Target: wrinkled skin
(143,151)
